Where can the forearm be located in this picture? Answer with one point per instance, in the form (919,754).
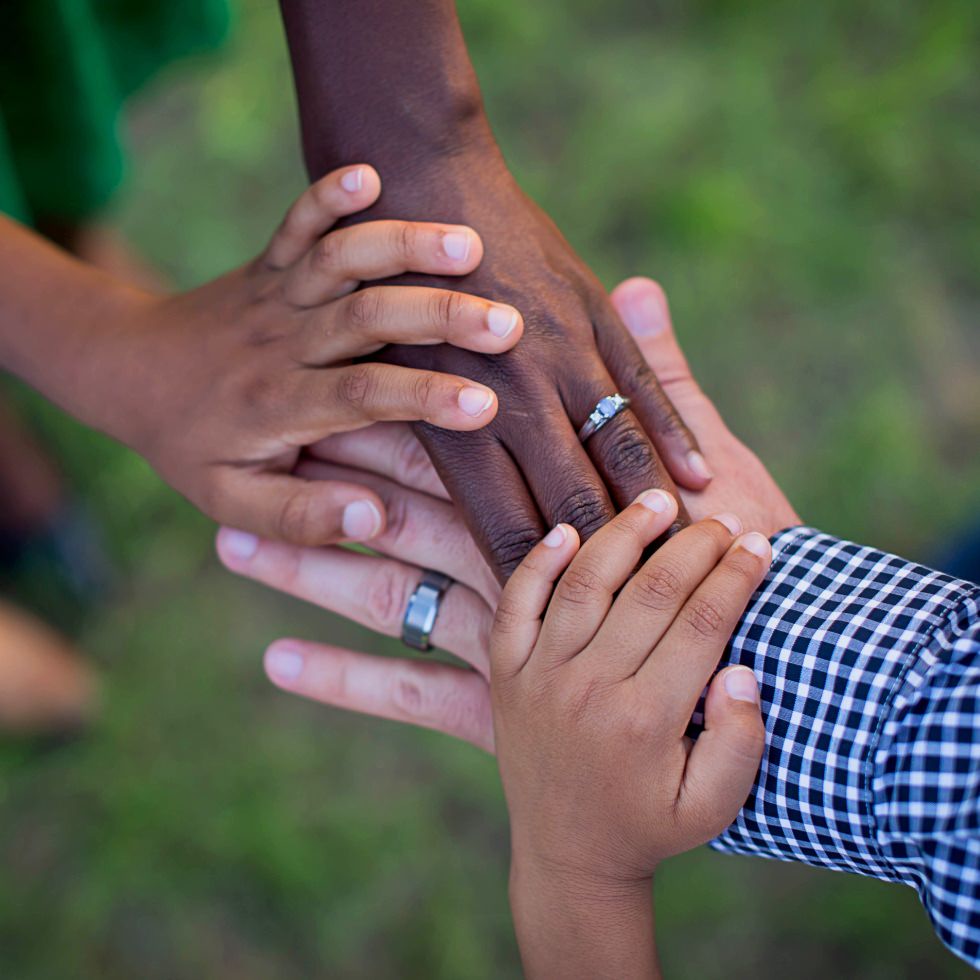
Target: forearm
(57,316)
(868,666)
(384,81)
(574,929)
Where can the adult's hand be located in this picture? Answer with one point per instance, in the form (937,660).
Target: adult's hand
(426,530)
(393,80)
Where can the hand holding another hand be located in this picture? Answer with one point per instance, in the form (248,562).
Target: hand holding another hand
(426,530)
(222,388)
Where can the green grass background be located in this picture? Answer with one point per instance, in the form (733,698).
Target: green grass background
(802,179)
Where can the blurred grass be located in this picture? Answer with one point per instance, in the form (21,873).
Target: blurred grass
(802,178)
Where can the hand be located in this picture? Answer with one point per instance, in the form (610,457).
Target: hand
(425,530)
(527,469)
(433,144)
(594,680)
(225,385)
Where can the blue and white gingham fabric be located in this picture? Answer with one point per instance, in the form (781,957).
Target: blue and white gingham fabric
(869,668)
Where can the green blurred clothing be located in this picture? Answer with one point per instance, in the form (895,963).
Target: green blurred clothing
(66,68)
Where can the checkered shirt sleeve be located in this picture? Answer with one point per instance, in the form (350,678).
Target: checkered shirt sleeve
(869,668)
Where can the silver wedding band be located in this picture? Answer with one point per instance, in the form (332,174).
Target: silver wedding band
(606,410)
(422,610)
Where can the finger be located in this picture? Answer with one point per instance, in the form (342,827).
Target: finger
(351,397)
(317,209)
(427,694)
(620,451)
(390,449)
(680,665)
(367,589)
(525,598)
(419,530)
(659,591)
(367,320)
(340,261)
(573,493)
(508,523)
(583,596)
(722,766)
(305,512)
(675,442)
(642,305)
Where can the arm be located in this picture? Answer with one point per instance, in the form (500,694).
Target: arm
(594,673)
(222,387)
(869,664)
(392,80)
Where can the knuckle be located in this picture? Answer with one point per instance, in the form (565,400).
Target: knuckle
(628,452)
(579,585)
(355,387)
(399,524)
(586,510)
(657,587)
(404,239)
(386,598)
(424,390)
(508,547)
(328,252)
(364,308)
(294,517)
(703,617)
(447,307)
(507,618)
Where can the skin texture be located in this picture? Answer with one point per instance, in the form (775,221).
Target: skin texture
(595,672)
(425,530)
(391,82)
(223,387)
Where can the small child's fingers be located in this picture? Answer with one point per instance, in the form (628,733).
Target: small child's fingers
(340,261)
(585,592)
(655,595)
(318,208)
(365,321)
(677,670)
(339,399)
(724,761)
(525,598)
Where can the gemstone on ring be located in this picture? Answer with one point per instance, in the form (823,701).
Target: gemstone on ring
(604,412)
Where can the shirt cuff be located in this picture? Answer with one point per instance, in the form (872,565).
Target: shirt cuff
(830,635)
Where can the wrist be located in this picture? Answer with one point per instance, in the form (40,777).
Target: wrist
(572,924)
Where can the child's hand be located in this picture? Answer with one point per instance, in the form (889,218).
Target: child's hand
(222,388)
(592,694)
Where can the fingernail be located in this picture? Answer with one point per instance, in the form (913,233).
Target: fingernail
(501,320)
(284,664)
(656,500)
(644,316)
(741,685)
(239,545)
(361,521)
(730,521)
(353,180)
(555,537)
(456,245)
(757,543)
(474,401)
(698,465)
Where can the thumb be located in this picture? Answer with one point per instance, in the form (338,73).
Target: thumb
(724,761)
(303,512)
(642,305)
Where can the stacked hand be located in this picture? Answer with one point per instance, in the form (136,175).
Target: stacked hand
(594,680)
(223,387)
(425,530)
